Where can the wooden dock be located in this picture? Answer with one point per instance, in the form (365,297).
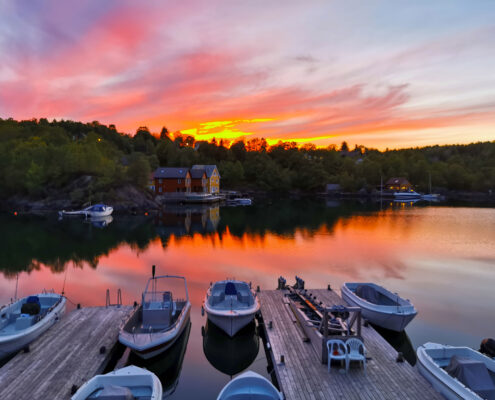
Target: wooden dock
(69,353)
(302,375)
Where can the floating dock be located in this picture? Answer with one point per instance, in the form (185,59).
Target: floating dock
(301,374)
(66,356)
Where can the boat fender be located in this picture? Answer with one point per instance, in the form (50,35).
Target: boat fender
(487,347)
(103,350)
(73,389)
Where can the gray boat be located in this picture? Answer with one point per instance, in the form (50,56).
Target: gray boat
(379,306)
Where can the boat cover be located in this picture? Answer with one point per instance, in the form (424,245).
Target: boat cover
(113,392)
(473,374)
(369,293)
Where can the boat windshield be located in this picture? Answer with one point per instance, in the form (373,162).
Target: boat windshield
(229,295)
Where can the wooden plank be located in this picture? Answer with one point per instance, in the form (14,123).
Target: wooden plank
(302,376)
(67,354)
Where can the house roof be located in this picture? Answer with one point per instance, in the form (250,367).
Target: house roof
(208,169)
(170,173)
(197,173)
(397,181)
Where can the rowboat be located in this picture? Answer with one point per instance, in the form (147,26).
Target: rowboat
(95,211)
(160,319)
(126,383)
(379,306)
(250,386)
(231,305)
(457,372)
(27,319)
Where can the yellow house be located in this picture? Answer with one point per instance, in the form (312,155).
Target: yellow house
(212,177)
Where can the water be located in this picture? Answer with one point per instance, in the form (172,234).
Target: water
(440,257)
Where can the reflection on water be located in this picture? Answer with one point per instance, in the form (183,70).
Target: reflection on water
(168,365)
(400,342)
(230,355)
(440,257)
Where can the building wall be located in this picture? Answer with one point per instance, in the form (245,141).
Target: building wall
(213,183)
(170,185)
(199,185)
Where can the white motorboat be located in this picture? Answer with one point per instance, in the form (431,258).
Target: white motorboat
(379,306)
(240,201)
(123,384)
(231,305)
(404,195)
(250,386)
(431,197)
(457,372)
(95,211)
(28,318)
(159,321)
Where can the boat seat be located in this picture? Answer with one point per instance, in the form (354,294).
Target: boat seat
(217,298)
(112,392)
(243,296)
(230,289)
(24,322)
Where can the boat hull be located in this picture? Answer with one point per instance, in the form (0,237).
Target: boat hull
(230,324)
(12,343)
(147,347)
(386,317)
(249,386)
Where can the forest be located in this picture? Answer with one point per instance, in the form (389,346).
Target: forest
(41,156)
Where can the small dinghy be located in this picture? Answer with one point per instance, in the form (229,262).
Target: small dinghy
(159,321)
(250,386)
(96,211)
(231,305)
(457,372)
(379,306)
(129,383)
(26,319)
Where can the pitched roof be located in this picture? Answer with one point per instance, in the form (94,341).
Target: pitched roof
(170,173)
(397,181)
(208,168)
(197,173)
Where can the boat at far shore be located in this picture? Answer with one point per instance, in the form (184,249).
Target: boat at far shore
(457,372)
(126,383)
(95,211)
(250,386)
(405,195)
(379,306)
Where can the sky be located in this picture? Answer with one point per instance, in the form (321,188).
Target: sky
(384,74)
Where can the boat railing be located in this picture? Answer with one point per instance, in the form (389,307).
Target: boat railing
(152,331)
(119,298)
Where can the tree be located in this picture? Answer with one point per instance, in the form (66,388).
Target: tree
(139,171)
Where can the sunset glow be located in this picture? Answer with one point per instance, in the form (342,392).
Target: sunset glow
(381,74)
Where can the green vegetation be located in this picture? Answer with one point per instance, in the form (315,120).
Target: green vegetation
(40,157)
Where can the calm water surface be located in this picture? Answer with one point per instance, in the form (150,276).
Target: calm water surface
(440,257)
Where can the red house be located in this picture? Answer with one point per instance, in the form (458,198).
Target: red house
(171,180)
(198,180)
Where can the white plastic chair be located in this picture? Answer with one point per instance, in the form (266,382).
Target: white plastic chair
(337,350)
(355,352)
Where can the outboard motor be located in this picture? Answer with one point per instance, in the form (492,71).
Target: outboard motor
(487,347)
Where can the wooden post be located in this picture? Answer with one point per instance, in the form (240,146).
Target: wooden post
(324,354)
